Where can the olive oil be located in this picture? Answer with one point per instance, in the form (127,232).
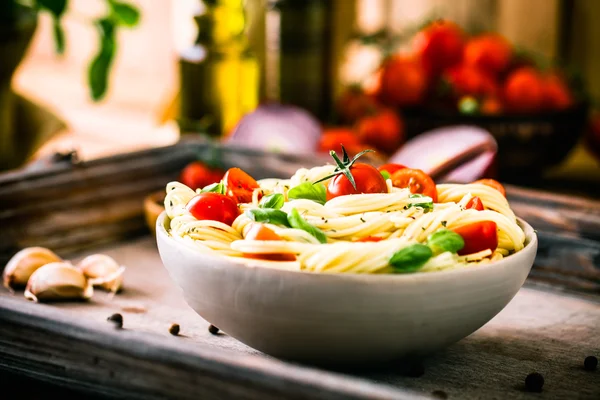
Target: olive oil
(219,74)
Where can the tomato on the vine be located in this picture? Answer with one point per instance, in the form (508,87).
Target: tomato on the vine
(415,180)
(493,184)
(478,236)
(367,178)
(213,206)
(262,232)
(239,185)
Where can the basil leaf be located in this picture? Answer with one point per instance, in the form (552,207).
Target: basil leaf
(445,240)
(214,188)
(269,215)
(126,14)
(296,221)
(386,175)
(425,206)
(310,191)
(411,258)
(274,201)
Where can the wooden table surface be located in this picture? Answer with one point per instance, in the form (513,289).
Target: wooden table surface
(540,330)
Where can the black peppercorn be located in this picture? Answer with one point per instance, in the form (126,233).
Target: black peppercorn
(534,382)
(590,363)
(213,329)
(174,329)
(439,394)
(116,319)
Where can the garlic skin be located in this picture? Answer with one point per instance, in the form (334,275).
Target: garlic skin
(23,264)
(103,271)
(58,281)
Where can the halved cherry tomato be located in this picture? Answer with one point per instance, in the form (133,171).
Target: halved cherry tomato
(197,175)
(367,178)
(493,184)
(261,232)
(475,203)
(370,239)
(478,236)
(391,168)
(213,206)
(239,185)
(416,180)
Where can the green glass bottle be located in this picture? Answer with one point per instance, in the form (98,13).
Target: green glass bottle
(298,54)
(219,75)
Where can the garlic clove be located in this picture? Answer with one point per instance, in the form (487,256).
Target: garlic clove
(58,281)
(24,263)
(103,271)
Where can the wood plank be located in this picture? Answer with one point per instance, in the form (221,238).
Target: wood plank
(72,344)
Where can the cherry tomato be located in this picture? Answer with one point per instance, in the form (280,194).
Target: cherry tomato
(478,236)
(416,180)
(391,168)
(491,105)
(367,178)
(494,184)
(402,82)
(475,203)
(557,94)
(524,91)
(383,130)
(370,239)
(334,138)
(239,185)
(213,206)
(261,232)
(440,45)
(490,53)
(197,175)
(354,104)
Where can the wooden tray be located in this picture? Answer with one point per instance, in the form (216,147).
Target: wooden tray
(550,326)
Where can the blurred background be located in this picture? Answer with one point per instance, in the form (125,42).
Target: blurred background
(103,77)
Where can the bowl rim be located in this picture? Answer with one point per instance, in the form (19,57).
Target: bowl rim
(531,240)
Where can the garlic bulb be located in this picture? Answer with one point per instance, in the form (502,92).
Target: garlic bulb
(58,281)
(24,263)
(103,271)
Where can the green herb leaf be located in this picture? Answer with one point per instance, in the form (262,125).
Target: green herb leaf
(445,240)
(296,221)
(411,258)
(310,191)
(386,175)
(269,215)
(124,13)
(214,188)
(274,201)
(427,206)
(101,64)
(57,9)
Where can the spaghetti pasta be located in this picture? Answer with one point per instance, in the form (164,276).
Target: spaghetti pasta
(396,230)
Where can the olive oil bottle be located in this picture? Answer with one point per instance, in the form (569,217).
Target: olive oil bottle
(219,74)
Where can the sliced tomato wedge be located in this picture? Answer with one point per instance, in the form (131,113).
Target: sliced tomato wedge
(261,232)
(370,239)
(239,185)
(391,168)
(416,180)
(478,236)
(493,184)
(475,203)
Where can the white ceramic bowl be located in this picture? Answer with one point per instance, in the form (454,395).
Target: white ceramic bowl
(343,318)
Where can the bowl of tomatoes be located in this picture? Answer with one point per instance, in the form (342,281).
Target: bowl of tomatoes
(536,111)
